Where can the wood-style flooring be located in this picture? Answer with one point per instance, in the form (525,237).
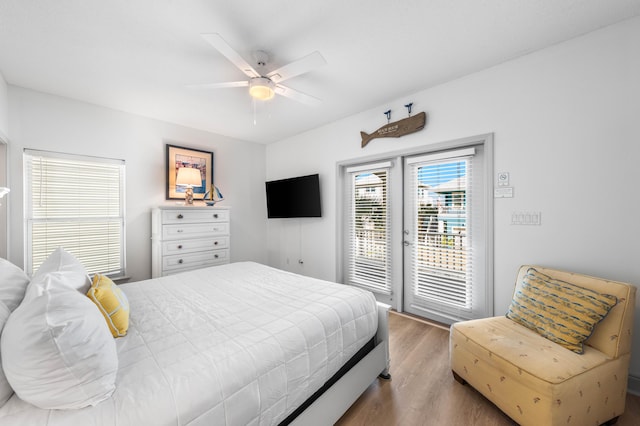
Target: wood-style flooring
(422,390)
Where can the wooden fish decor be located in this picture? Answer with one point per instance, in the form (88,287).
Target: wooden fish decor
(396,129)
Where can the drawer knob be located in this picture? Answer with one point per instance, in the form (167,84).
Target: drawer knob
(215,243)
(180,261)
(180,246)
(179,230)
(215,215)
(180,216)
(216,256)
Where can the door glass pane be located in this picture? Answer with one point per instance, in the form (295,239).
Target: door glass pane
(369,258)
(441,258)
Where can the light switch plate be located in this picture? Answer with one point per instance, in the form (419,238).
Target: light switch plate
(526,218)
(503,192)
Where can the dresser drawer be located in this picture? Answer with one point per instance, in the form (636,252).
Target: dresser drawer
(191,246)
(194,216)
(194,230)
(194,260)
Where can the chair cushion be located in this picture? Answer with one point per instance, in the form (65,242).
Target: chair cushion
(507,343)
(559,311)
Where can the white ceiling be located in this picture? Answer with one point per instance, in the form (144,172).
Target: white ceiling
(138,55)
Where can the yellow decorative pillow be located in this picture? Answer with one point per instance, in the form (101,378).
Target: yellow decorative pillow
(112,302)
(560,311)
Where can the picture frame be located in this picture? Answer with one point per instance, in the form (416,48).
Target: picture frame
(178,156)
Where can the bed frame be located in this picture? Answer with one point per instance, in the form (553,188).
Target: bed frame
(333,403)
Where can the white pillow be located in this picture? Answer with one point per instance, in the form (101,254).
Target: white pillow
(13,283)
(62,261)
(5,389)
(57,351)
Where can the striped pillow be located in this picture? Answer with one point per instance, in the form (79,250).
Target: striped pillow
(560,311)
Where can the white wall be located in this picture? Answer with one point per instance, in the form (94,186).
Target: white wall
(565,121)
(4,107)
(47,122)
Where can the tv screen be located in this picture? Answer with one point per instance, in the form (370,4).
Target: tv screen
(294,197)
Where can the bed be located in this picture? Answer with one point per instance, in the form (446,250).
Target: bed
(236,344)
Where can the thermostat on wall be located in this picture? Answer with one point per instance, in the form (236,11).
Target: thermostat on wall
(503,179)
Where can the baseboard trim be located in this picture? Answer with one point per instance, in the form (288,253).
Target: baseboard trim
(633,385)
(421,319)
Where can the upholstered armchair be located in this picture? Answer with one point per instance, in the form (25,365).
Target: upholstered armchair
(537,381)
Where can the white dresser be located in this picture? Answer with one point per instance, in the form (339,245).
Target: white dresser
(184,238)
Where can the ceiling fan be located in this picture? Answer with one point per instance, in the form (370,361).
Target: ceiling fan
(264,86)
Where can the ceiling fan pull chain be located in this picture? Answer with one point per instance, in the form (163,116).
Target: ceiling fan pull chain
(253,103)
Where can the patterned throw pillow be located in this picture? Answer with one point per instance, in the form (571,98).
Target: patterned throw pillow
(557,310)
(112,302)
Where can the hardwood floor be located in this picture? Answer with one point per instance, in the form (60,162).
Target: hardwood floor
(422,390)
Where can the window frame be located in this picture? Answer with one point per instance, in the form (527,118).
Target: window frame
(29,155)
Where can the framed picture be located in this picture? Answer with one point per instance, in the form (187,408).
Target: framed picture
(178,157)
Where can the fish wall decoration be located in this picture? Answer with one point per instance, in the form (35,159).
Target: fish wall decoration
(397,128)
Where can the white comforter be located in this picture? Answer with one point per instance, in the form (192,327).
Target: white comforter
(239,344)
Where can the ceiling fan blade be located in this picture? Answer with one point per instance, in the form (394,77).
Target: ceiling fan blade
(218,85)
(297,96)
(228,52)
(310,62)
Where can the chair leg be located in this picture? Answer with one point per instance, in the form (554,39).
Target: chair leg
(611,422)
(458,378)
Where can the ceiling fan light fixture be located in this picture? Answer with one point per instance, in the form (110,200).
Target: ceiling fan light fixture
(262,88)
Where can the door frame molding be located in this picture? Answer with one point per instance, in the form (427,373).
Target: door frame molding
(5,229)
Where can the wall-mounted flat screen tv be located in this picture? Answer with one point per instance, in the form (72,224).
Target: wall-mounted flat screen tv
(294,197)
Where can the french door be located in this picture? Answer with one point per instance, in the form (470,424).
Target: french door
(417,231)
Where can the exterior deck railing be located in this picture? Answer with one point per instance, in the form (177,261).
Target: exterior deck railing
(435,249)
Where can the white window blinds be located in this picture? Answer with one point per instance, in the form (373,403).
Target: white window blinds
(368,227)
(77,203)
(442,256)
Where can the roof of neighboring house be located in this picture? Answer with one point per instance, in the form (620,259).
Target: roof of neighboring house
(368,180)
(457,184)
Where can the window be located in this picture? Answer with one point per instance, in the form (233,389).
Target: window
(368,227)
(75,202)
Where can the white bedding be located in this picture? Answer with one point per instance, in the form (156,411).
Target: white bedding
(238,344)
